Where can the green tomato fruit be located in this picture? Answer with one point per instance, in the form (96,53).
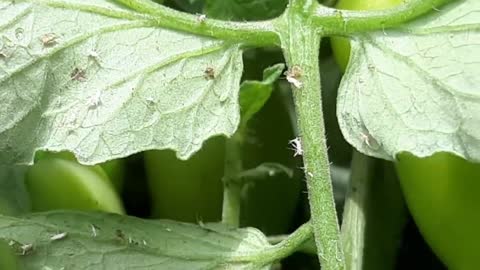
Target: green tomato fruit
(187,190)
(341,46)
(192,190)
(58,183)
(8,258)
(115,170)
(442,193)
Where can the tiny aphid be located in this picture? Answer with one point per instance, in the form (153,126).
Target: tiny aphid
(369,140)
(59,236)
(209,73)
(168,230)
(144,242)
(94,230)
(78,75)
(201,18)
(296,147)
(49,39)
(93,54)
(294,75)
(95,100)
(150,101)
(26,249)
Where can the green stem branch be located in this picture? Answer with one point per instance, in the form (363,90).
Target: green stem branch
(287,246)
(301,43)
(354,215)
(232,189)
(344,22)
(250,33)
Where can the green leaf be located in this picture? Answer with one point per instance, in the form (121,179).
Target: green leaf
(254,94)
(79,240)
(416,88)
(14,198)
(239,10)
(105,82)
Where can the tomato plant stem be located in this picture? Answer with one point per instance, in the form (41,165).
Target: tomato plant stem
(301,45)
(354,216)
(360,21)
(370,228)
(232,189)
(252,33)
(288,245)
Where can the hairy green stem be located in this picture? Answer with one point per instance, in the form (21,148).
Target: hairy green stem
(308,247)
(330,21)
(354,215)
(251,33)
(289,245)
(370,228)
(344,22)
(232,189)
(301,43)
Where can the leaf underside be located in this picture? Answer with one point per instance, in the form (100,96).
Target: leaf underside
(79,240)
(416,88)
(104,82)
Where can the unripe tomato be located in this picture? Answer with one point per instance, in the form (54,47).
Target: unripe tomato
(443,195)
(60,183)
(441,191)
(8,259)
(115,170)
(187,190)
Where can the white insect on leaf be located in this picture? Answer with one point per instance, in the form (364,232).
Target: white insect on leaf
(209,73)
(26,249)
(49,39)
(369,140)
(93,54)
(95,100)
(294,75)
(78,74)
(296,147)
(94,230)
(58,236)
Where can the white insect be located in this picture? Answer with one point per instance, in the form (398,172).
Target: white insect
(201,18)
(95,101)
(295,82)
(296,147)
(26,248)
(293,76)
(94,230)
(144,242)
(369,140)
(93,54)
(59,236)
